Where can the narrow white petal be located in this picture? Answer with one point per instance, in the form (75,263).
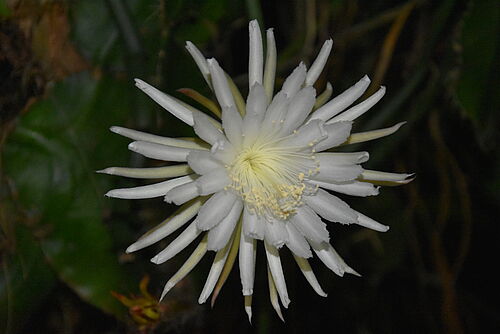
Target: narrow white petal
(354,188)
(337,133)
(183,193)
(323,97)
(202,162)
(307,222)
(373,175)
(248,307)
(270,68)
(143,136)
(256,54)
(253,225)
(215,209)
(331,207)
(273,295)
(167,102)
(168,226)
(191,262)
(158,151)
(306,269)
(336,173)
(275,112)
(233,124)
(205,129)
(149,191)
(307,135)
(319,63)
(200,61)
(247,263)
(274,262)
(178,244)
(223,151)
(354,112)
(370,223)
(294,81)
(342,101)
(255,113)
(221,86)
(275,232)
(332,259)
(297,243)
(148,173)
(218,236)
(361,137)
(341,158)
(214,274)
(213,181)
(298,110)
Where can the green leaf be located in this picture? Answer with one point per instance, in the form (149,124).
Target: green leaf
(51,158)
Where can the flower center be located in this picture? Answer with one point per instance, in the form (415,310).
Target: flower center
(270,179)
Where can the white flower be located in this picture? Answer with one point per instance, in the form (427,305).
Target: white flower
(261,174)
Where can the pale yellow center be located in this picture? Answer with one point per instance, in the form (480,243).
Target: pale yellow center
(271,179)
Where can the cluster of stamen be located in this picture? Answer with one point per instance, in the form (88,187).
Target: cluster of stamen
(271,179)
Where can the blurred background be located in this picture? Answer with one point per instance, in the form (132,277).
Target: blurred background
(67,69)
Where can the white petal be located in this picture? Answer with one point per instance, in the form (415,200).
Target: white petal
(342,101)
(370,223)
(275,232)
(306,136)
(248,307)
(167,102)
(273,295)
(300,106)
(218,236)
(332,259)
(319,63)
(200,61)
(275,112)
(168,226)
(337,133)
(214,274)
(160,152)
(323,97)
(297,243)
(191,262)
(354,188)
(255,112)
(309,275)
(336,173)
(373,175)
(253,225)
(143,136)
(233,125)
(179,243)
(294,81)
(149,191)
(247,263)
(215,209)
(148,173)
(341,158)
(374,134)
(256,55)
(307,222)
(213,181)
(223,151)
(270,68)
(359,109)
(273,259)
(331,207)
(221,86)
(202,162)
(205,129)
(183,193)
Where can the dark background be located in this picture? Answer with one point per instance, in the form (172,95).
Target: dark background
(66,70)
